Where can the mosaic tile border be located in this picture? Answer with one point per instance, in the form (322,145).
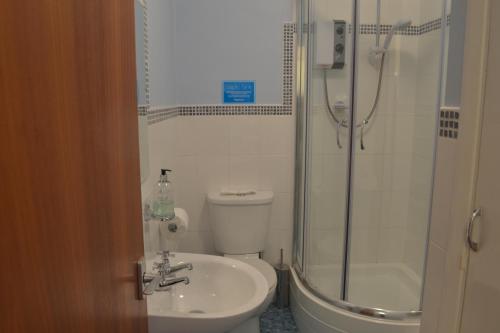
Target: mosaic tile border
(235,110)
(413,30)
(146,52)
(142,110)
(288,65)
(284,109)
(160,114)
(371,29)
(449,122)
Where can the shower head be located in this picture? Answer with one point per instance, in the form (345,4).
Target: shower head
(398,26)
(401,24)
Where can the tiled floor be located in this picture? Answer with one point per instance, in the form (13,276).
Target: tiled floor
(276,320)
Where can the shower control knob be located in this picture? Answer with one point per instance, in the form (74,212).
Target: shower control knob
(339,48)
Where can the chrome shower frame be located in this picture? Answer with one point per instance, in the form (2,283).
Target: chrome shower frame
(303,156)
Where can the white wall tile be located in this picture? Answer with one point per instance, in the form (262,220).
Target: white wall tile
(332,209)
(276,240)
(213,134)
(282,212)
(365,244)
(367,209)
(277,135)
(213,173)
(327,248)
(216,153)
(186,139)
(276,173)
(245,135)
(197,242)
(391,245)
(244,172)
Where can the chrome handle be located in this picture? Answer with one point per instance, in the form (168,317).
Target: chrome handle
(171,282)
(339,124)
(141,270)
(473,245)
(363,124)
(152,284)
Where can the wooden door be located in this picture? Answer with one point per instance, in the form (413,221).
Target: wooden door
(69,168)
(481,311)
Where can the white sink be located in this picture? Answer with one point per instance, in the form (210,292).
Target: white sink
(222,294)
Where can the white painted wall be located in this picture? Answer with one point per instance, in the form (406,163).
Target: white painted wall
(161,37)
(221,40)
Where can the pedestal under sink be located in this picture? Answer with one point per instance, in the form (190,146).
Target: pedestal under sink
(222,294)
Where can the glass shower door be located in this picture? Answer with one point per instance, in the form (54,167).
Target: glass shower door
(393,155)
(328,149)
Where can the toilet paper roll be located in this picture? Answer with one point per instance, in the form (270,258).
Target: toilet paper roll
(171,232)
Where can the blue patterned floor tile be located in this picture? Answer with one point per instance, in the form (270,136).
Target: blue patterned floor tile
(276,320)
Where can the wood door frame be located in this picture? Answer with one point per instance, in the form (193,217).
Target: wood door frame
(473,94)
(482,70)
(466,168)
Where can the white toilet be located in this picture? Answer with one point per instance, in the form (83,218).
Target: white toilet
(239,226)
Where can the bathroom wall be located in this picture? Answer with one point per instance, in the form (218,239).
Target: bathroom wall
(211,146)
(161,21)
(219,40)
(140,56)
(392,177)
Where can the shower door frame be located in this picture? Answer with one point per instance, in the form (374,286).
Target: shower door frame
(303,149)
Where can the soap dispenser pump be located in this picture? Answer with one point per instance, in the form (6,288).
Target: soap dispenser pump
(161,201)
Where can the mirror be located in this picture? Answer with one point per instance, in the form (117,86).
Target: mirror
(141,48)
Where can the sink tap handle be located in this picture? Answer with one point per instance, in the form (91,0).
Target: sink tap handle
(171,282)
(151,284)
(157,266)
(165,255)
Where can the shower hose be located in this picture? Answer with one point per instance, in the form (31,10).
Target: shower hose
(364,123)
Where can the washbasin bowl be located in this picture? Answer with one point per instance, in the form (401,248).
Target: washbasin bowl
(222,294)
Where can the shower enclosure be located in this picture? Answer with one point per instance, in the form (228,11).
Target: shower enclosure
(368,95)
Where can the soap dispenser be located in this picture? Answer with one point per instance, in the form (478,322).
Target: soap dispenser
(161,201)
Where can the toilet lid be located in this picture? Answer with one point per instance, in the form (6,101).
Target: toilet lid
(266,270)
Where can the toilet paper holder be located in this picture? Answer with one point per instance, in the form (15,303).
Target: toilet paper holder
(172,227)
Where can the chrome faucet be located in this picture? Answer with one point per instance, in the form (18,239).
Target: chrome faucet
(164,279)
(176,268)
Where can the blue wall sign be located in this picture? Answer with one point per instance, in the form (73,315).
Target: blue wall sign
(238,92)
